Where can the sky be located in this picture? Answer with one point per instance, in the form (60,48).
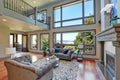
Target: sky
(74,11)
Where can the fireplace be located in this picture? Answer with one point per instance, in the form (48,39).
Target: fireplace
(110,63)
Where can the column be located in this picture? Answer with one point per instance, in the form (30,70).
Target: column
(35,15)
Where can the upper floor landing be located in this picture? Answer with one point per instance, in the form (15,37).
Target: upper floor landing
(15,14)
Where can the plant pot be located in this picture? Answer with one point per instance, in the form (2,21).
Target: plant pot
(44,54)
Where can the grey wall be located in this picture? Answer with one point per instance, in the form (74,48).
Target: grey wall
(95,26)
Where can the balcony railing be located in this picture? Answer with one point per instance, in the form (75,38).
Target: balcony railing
(23,8)
(19,6)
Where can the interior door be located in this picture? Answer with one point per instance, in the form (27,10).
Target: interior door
(19,42)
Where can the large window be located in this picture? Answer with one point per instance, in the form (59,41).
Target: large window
(75,13)
(19,39)
(73,39)
(34,41)
(44,38)
(42,16)
(11,40)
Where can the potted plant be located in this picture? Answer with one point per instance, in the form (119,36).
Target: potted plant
(44,47)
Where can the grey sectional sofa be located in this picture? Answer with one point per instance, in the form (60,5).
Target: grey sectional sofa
(23,69)
(61,53)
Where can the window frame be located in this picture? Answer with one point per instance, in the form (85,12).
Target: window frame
(90,30)
(39,11)
(31,40)
(48,40)
(82,18)
(13,42)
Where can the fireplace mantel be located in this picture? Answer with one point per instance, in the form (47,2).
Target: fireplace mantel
(110,34)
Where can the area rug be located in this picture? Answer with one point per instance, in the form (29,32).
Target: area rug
(66,71)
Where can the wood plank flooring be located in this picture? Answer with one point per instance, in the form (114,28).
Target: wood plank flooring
(3,72)
(88,69)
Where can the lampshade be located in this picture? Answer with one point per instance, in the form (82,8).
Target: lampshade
(80,46)
(10,50)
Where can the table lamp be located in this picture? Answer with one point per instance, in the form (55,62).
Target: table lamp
(10,51)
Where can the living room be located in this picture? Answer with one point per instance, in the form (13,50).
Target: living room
(63,30)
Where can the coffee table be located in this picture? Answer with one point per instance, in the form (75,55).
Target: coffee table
(54,62)
(57,62)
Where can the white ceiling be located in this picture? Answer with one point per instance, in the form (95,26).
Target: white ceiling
(40,3)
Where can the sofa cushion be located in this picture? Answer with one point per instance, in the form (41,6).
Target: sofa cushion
(65,51)
(26,63)
(57,50)
(25,58)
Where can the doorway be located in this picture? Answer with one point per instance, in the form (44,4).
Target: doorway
(24,43)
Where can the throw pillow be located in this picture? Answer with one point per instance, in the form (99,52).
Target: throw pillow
(57,50)
(65,51)
(27,63)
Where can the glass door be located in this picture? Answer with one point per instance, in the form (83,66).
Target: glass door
(11,40)
(19,42)
(24,43)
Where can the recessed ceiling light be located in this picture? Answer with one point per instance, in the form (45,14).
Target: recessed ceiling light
(4,20)
(34,2)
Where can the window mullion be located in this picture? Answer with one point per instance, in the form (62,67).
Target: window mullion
(61,39)
(83,11)
(61,15)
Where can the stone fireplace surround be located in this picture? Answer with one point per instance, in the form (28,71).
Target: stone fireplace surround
(112,33)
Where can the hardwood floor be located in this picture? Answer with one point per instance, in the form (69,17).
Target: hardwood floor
(3,72)
(87,68)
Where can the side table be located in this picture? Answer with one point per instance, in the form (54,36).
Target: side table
(57,62)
